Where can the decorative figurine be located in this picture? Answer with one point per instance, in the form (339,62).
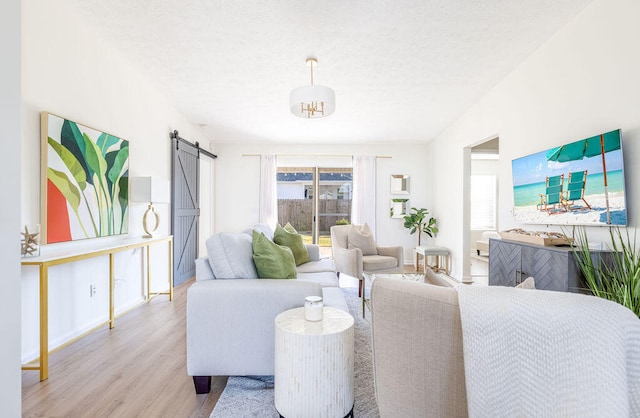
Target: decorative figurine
(29,242)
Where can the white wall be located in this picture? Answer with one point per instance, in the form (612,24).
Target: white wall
(69,70)
(238,184)
(581,82)
(10,389)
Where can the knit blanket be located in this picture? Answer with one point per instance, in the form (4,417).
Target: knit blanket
(536,353)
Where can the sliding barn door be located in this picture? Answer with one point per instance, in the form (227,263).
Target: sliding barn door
(185,209)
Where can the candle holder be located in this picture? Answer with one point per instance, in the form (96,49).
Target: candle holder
(313,308)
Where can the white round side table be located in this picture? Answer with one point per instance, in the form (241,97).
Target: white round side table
(314,364)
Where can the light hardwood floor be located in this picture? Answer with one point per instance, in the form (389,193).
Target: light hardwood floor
(137,369)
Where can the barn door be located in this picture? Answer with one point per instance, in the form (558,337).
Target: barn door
(185,209)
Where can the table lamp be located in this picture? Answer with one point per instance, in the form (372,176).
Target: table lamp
(152,190)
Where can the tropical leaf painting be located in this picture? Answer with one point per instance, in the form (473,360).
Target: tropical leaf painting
(86,183)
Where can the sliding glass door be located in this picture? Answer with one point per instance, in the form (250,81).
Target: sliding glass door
(313,199)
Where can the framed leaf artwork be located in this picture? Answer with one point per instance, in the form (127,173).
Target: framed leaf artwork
(84,181)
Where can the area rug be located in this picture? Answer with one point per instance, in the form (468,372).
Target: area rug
(252,396)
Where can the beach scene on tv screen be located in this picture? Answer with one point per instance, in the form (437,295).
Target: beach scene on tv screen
(579,183)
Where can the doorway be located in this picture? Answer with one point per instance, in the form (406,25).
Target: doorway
(206,202)
(481,221)
(312,199)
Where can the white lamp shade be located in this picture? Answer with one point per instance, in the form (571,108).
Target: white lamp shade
(313,93)
(149,189)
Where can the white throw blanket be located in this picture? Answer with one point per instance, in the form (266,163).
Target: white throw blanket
(536,353)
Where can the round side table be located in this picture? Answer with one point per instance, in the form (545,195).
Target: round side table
(314,364)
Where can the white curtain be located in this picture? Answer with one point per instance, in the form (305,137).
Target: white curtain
(363,205)
(268,191)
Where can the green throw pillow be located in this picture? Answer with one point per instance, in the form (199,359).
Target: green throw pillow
(294,241)
(272,261)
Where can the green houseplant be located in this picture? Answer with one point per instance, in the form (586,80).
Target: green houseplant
(417,221)
(616,278)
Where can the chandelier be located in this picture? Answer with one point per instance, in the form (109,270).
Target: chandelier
(312,101)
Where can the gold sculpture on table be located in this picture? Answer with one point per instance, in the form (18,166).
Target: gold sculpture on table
(30,241)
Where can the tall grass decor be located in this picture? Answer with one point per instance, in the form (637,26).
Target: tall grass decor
(85,181)
(616,277)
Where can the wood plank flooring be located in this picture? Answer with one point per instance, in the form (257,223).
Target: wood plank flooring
(137,369)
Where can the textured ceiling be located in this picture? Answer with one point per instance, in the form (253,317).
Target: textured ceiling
(402,70)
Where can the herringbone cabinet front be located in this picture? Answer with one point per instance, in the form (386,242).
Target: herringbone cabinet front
(553,268)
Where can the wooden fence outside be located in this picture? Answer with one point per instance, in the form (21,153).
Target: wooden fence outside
(299,212)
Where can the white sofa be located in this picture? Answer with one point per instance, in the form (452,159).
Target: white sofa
(231,313)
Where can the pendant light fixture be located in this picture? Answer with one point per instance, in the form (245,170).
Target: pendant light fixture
(312,101)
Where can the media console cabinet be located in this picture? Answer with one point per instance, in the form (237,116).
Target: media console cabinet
(553,268)
(57,256)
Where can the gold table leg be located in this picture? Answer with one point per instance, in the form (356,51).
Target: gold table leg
(44,322)
(111,287)
(171,269)
(148,258)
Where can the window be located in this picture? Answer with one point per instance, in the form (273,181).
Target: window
(311,213)
(483,201)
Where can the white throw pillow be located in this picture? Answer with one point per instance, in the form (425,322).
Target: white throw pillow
(529,283)
(263,228)
(231,256)
(362,237)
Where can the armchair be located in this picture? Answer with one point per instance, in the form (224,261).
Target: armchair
(500,351)
(351,261)
(417,349)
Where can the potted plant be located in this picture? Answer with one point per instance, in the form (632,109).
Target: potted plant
(417,221)
(616,278)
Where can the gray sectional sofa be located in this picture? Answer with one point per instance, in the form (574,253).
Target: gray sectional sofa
(231,312)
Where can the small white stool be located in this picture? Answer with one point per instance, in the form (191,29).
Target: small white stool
(440,253)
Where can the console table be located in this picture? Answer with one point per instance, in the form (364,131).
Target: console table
(553,268)
(94,248)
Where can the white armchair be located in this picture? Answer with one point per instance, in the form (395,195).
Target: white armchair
(351,261)
(549,353)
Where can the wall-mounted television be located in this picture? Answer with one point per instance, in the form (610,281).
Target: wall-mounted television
(579,183)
